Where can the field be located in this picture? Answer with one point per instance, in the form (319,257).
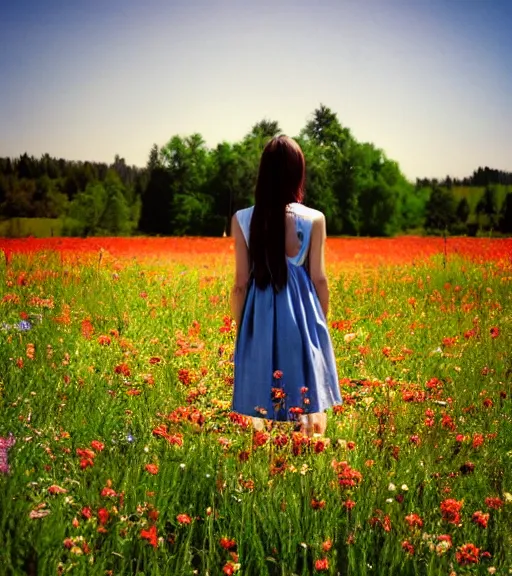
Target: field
(125,458)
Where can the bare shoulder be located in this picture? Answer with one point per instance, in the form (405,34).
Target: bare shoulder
(309,213)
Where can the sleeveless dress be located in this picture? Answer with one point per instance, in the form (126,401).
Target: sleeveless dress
(284,359)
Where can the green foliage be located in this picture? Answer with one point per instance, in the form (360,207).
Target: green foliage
(506,214)
(189,189)
(441,210)
(463,210)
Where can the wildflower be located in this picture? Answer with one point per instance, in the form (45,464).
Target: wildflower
(183,518)
(107,492)
(150,535)
(347,477)
(494,503)
(277,394)
(260,438)
(103,516)
(86,512)
(280,440)
(104,340)
(277,375)
(97,445)
(467,554)
(322,565)
(317,504)
(349,504)
(450,510)
(122,369)
(230,568)
(154,360)
(478,440)
(327,545)
(319,446)
(481,518)
(495,332)
(56,490)
(408,547)
(227,544)
(382,520)
(414,521)
(447,422)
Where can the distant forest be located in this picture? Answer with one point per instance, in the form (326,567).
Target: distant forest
(188,189)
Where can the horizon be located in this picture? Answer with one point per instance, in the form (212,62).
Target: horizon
(429,84)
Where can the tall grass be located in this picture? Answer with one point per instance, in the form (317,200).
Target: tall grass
(114,352)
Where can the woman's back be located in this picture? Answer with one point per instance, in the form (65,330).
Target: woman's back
(284,360)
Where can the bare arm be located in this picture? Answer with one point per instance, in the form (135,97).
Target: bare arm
(239,289)
(317,262)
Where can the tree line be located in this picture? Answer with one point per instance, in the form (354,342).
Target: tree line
(187,188)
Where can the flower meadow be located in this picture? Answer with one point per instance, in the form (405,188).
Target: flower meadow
(119,453)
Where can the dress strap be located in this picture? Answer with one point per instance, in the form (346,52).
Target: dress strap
(244,219)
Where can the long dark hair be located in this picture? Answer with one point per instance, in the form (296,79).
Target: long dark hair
(280,182)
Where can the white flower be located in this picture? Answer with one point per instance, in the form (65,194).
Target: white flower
(405,487)
(391,487)
(182,466)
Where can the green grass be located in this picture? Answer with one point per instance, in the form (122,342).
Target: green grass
(70,394)
(37,227)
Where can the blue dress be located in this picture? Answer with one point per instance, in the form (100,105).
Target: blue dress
(284,359)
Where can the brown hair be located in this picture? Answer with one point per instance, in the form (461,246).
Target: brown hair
(280,182)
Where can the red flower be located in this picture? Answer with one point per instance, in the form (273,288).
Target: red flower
(281,440)
(319,446)
(227,544)
(495,332)
(86,462)
(56,490)
(85,453)
(481,518)
(347,476)
(277,394)
(229,568)
(104,340)
(150,535)
(450,509)
(322,565)
(408,547)
(103,516)
(260,438)
(317,504)
(97,445)
(122,369)
(183,518)
(86,512)
(349,504)
(154,360)
(494,503)
(107,492)
(151,468)
(327,545)
(277,375)
(87,329)
(478,440)
(467,554)
(414,521)
(447,422)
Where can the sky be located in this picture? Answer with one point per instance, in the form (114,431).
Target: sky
(427,81)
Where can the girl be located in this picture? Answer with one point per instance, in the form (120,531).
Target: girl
(285,368)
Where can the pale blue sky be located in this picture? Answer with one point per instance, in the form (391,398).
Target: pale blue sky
(429,81)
